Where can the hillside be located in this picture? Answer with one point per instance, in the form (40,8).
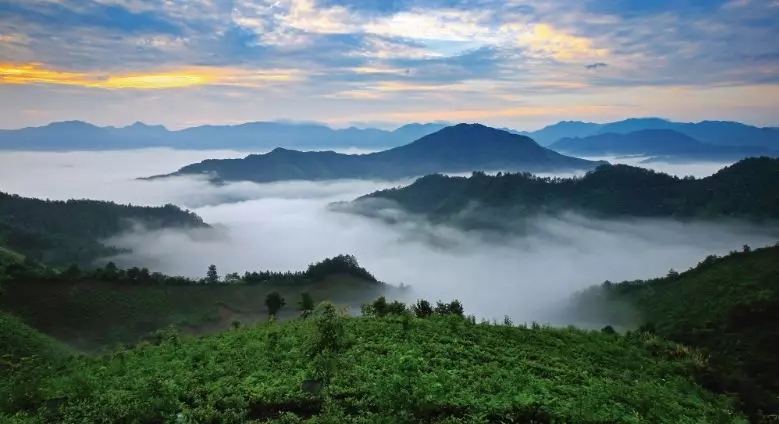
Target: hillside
(726,306)
(441,369)
(746,189)
(77,135)
(655,142)
(724,133)
(459,148)
(64,232)
(99,308)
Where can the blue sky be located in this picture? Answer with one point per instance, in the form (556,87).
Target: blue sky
(516,63)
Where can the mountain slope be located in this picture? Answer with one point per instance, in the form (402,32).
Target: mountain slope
(725,133)
(726,306)
(61,232)
(442,369)
(746,189)
(655,142)
(459,148)
(76,135)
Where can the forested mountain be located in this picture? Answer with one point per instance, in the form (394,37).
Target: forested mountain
(459,148)
(63,232)
(746,189)
(662,143)
(726,306)
(77,135)
(723,133)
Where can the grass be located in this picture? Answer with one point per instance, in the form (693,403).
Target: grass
(388,370)
(90,315)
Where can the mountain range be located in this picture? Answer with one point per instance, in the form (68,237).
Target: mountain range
(657,143)
(458,148)
(726,133)
(77,135)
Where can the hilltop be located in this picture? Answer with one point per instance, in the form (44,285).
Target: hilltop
(459,148)
(725,306)
(746,189)
(656,143)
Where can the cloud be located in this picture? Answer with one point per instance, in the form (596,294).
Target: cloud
(524,50)
(35,73)
(596,65)
(286,226)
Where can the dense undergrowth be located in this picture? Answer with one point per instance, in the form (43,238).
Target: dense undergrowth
(726,306)
(392,369)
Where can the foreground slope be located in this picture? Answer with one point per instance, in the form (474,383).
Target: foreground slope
(63,232)
(384,370)
(459,148)
(746,189)
(727,306)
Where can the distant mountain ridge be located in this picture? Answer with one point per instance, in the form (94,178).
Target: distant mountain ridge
(655,143)
(78,135)
(726,133)
(458,148)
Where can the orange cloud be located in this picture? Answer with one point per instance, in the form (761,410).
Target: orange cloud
(35,73)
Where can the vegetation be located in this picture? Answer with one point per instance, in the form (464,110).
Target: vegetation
(459,148)
(104,306)
(726,306)
(64,232)
(392,369)
(746,189)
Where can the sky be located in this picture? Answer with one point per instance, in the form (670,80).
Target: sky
(516,63)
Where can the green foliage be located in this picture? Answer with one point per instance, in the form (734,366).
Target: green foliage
(746,189)
(211,275)
(724,306)
(64,232)
(422,309)
(376,372)
(306,304)
(274,302)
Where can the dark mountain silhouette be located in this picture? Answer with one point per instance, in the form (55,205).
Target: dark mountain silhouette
(658,142)
(746,189)
(724,133)
(459,148)
(77,135)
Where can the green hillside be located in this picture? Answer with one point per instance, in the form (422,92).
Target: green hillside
(385,370)
(106,306)
(64,232)
(746,189)
(727,306)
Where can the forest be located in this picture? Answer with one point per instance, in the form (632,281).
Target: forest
(746,189)
(72,231)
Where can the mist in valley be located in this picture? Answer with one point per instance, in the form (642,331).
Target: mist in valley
(286,226)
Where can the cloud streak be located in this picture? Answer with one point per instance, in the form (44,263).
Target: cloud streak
(529,52)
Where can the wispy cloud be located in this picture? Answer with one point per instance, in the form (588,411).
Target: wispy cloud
(370,55)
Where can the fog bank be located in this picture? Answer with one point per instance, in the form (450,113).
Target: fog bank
(286,226)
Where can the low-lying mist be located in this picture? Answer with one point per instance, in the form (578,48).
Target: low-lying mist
(286,226)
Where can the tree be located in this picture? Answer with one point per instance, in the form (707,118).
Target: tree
(211,276)
(232,278)
(274,301)
(422,309)
(306,304)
